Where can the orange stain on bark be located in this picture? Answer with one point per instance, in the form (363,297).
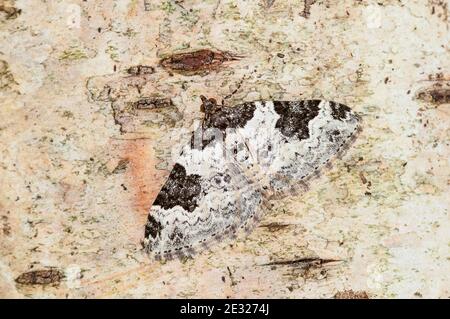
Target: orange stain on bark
(144,180)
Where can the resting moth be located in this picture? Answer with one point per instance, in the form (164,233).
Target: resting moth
(238,159)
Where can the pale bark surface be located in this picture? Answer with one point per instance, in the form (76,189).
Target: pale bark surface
(80,166)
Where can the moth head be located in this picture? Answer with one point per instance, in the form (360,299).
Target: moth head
(208,106)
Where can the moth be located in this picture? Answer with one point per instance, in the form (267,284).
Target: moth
(239,159)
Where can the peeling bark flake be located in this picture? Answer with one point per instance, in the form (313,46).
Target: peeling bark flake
(274,227)
(197,62)
(152,103)
(439,93)
(302,261)
(40,277)
(138,70)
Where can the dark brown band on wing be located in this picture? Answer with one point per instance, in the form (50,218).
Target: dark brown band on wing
(295,116)
(180,189)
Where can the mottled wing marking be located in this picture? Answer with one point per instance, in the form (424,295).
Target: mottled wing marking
(240,157)
(231,117)
(205,198)
(180,189)
(330,129)
(295,116)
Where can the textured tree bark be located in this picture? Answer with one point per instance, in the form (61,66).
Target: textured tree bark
(92,113)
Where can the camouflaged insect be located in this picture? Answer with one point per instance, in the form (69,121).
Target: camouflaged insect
(237,160)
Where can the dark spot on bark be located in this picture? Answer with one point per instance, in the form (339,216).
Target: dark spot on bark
(7,80)
(302,262)
(180,189)
(268,3)
(295,116)
(307,8)
(153,227)
(363,178)
(10,11)
(437,95)
(350,294)
(121,166)
(41,277)
(274,227)
(197,62)
(149,103)
(6,227)
(339,111)
(140,70)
